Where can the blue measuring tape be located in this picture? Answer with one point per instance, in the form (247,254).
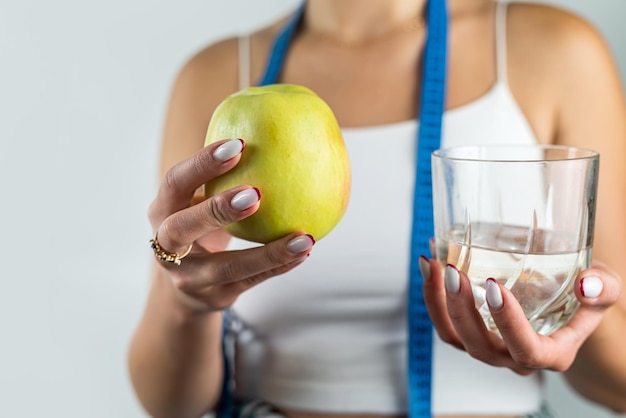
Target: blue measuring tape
(429,139)
(279,50)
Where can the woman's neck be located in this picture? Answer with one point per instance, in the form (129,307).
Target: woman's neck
(360,21)
(357,21)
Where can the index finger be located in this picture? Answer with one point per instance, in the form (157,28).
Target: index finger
(182,180)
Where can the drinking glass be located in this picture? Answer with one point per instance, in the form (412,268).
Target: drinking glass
(522,215)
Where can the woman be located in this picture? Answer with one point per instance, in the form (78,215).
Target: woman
(327,338)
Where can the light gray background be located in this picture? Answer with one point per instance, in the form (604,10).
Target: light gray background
(83,88)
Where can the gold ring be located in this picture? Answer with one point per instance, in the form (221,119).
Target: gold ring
(166,256)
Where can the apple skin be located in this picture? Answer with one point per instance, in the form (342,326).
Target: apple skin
(294,154)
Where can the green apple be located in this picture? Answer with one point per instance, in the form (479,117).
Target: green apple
(294,154)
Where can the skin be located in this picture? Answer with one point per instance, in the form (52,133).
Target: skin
(565,82)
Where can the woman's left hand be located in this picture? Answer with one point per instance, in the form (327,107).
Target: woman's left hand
(448,297)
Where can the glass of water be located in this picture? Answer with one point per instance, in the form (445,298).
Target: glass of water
(521,214)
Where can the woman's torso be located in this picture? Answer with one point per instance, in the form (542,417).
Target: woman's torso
(350,80)
(341,316)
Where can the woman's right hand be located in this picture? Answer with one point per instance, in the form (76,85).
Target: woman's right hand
(209,280)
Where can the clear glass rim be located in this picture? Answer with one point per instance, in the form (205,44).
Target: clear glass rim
(468,152)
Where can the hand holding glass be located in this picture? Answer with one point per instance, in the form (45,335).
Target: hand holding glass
(522,215)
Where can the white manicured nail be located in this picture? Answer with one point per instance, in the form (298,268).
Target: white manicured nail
(591,287)
(300,244)
(452,280)
(494,294)
(246,198)
(424,267)
(228,150)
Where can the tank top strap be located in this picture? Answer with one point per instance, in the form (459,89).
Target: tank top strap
(278,52)
(500,35)
(244,61)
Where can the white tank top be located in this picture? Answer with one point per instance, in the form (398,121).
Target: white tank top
(330,336)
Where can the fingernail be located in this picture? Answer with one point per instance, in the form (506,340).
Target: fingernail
(591,287)
(228,150)
(245,199)
(424,267)
(494,294)
(432,245)
(452,279)
(300,244)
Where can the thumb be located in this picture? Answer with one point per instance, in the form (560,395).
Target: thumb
(598,286)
